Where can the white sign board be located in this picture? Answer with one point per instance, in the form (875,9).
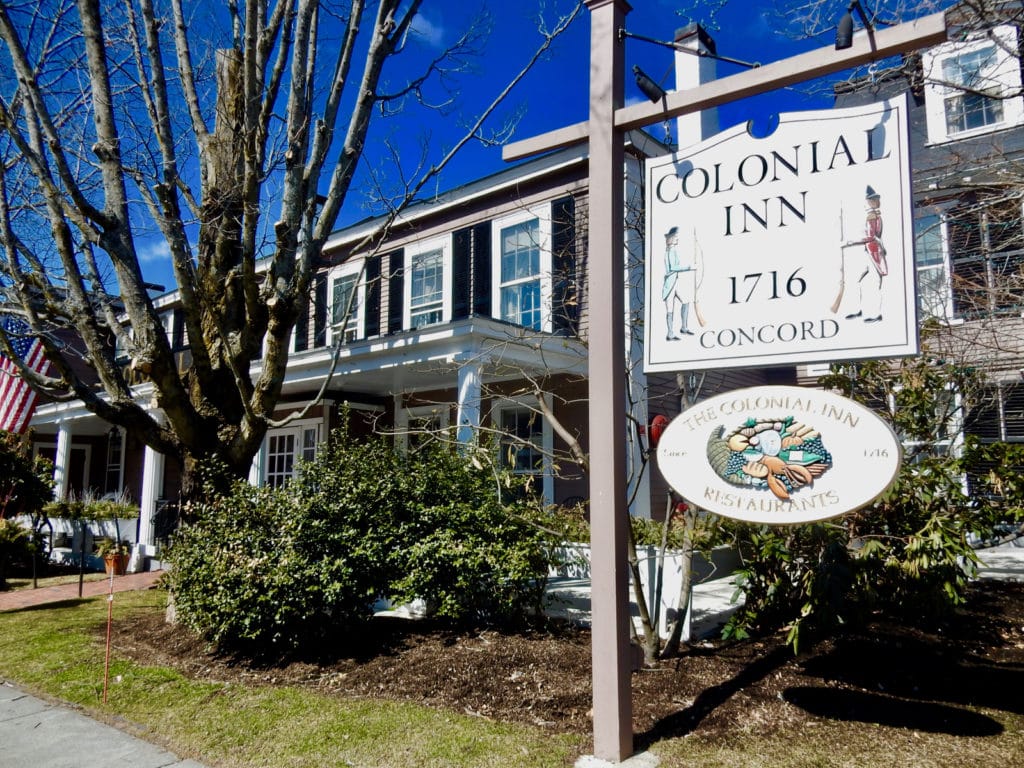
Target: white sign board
(779,455)
(793,248)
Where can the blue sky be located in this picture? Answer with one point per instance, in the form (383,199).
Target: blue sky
(554,94)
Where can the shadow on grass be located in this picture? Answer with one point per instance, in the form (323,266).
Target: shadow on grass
(866,707)
(71,602)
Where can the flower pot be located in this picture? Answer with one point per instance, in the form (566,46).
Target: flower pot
(116,564)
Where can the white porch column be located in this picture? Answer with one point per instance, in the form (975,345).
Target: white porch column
(152,487)
(256,468)
(469,402)
(62,460)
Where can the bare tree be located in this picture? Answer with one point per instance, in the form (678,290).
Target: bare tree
(229,137)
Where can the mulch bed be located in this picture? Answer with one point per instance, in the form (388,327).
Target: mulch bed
(542,678)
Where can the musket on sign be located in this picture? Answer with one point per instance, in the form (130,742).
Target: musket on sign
(699,257)
(843,245)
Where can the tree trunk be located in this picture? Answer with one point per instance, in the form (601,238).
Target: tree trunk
(650,641)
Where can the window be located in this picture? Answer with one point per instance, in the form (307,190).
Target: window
(173,321)
(972,107)
(967,84)
(115,461)
(525,442)
(523,274)
(285,448)
(427,284)
(423,425)
(346,296)
(932,269)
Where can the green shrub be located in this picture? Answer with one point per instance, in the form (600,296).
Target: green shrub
(26,481)
(265,571)
(909,553)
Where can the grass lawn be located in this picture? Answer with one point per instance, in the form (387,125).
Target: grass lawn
(57,652)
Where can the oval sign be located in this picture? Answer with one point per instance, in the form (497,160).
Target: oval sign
(779,455)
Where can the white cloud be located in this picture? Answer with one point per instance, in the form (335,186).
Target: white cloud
(154,252)
(432,34)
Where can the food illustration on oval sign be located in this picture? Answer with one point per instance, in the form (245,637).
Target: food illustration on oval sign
(780,455)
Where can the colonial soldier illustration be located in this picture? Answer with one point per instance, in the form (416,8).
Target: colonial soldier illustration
(875,267)
(679,285)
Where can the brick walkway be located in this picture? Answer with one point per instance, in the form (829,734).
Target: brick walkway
(26,598)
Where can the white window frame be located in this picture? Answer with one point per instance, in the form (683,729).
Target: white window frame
(115,445)
(427,247)
(1005,74)
(409,418)
(546,475)
(942,307)
(41,449)
(355,327)
(298,430)
(541,214)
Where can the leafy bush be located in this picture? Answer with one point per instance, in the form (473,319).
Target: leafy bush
(15,545)
(26,481)
(909,553)
(264,570)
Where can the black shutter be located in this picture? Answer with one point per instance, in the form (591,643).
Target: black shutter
(301,332)
(396,294)
(320,311)
(482,269)
(177,329)
(372,317)
(564,297)
(462,251)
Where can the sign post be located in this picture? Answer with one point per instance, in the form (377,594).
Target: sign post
(609,516)
(608,120)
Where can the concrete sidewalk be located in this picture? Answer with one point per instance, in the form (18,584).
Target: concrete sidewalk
(41,735)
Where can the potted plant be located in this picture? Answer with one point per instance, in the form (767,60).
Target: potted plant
(115,555)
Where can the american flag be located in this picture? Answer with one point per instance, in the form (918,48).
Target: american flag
(17,399)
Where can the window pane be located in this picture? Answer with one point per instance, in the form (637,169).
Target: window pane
(343,288)
(932,285)
(928,241)
(520,251)
(968,70)
(967,111)
(426,301)
(978,104)
(280,458)
(520,304)
(522,441)
(310,438)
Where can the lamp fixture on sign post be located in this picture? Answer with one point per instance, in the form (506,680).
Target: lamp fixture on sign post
(648,87)
(844,29)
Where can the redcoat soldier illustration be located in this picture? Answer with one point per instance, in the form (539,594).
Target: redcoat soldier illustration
(875,267)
